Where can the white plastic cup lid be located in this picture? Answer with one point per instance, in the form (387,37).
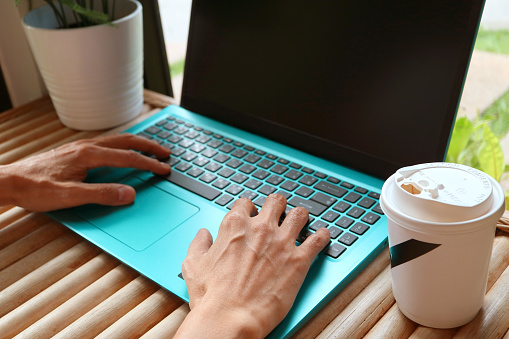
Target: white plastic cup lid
(442,192)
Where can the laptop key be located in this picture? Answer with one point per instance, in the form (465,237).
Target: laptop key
(221,183)
(225,198)
(324,199)
(348,239)
(193,185)
(335,250)
(261,174)
(265,163)
(330,188)
(195,172)
(359,228)
(275,180)
(208,177)
(308,180)
(234,189)
(317,225)
(335,232)
(249,194)
(267,189)
(304,191)
(313,208)
(370,218)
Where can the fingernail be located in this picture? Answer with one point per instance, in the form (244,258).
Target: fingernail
(125,194)
(166,166)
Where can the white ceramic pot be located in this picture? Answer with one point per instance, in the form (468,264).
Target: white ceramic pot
(94,74)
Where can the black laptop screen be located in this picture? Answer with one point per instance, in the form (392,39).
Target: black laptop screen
(370,84)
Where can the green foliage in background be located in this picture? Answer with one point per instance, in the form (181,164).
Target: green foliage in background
(497,116)
(84,12)
(474,144)
(177,68)
(493,41)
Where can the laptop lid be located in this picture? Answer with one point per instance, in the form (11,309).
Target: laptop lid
(373,85)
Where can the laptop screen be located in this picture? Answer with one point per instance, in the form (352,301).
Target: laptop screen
(373,85)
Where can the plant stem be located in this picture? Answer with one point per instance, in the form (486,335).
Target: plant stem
(58,16)
(64,19)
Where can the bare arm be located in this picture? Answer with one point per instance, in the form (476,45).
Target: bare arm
(53,180)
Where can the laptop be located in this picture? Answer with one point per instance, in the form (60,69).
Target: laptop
(319,101)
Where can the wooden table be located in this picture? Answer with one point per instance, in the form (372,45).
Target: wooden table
(53,283)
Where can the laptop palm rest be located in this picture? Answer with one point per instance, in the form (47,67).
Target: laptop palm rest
(153,214)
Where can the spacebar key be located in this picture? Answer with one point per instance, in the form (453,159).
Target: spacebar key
(193,185)
(313,208)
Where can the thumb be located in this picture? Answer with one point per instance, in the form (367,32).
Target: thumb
(200,244)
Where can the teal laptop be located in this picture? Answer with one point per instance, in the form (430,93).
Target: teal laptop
(318,101)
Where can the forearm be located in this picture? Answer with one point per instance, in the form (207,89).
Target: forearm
(6,188)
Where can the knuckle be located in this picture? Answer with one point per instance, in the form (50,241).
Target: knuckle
(300,213)
(233,217)
(278,197)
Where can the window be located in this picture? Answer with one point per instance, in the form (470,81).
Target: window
(485,98)
(175,15)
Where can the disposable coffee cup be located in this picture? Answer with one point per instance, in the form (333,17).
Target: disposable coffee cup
(441,220)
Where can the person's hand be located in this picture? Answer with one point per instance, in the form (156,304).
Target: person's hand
(53,180)
(245,283)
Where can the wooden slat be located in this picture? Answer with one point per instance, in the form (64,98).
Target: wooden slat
(34,146)
(55,295)
(36,259)
(17,115)
(80,304)
(340,301)
(11,215)
(365,310)
(30,243)
(26,126)
(143,317)
(167,327)
(19,227)
(103,315)
(31,136)
(40,279)
(493,320)
(392,325)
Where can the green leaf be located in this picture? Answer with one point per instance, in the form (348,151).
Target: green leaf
(490,154)
(460,136)
(94,16)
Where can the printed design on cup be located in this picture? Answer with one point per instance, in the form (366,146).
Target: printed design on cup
(409,250)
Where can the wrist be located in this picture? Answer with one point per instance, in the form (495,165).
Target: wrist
(215,322)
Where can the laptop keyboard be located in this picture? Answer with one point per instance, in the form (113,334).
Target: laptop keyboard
(221,169)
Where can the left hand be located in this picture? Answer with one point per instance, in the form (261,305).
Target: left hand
(53,180)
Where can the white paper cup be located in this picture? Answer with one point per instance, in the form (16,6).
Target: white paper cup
(441,220)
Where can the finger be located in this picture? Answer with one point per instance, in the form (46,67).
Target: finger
(314,244)
(131,141)
(244,206)
(76,194)
(273,207)
(200,244)
(99,157)
(295,221)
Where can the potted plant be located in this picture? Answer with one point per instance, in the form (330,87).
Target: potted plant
(90,55)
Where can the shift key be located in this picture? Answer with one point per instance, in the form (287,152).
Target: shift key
(313,208)
(331,189)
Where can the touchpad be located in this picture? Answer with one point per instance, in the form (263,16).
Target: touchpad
(153,214)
